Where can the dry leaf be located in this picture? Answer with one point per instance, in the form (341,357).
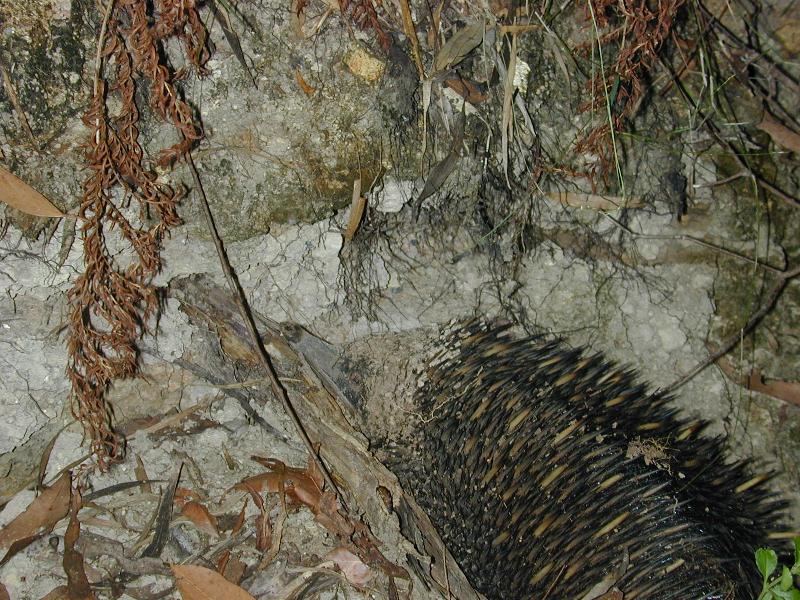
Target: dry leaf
(308,90)
(199,515)
(467,89)
(74,566)
(45,459)
(230,567)
(780,134)
(357,206)
(411,34)
(141,475)
(296,483)
(4,593)
(517,29)
(458,47)
(38,519)
(18,194)
(163,514)
(199,583)
(351,566)
(788,391)
(263,531)
(593,201)
(237,525)
(507,121)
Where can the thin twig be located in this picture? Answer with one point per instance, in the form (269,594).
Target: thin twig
(11,92)
(247,316)
(696,240)
(98,59)
(609,115)
(729,344)
(737,156)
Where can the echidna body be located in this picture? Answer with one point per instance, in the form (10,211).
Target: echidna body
(534,475)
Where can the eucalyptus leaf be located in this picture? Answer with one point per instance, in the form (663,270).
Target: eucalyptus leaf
(767,561)
(458,47)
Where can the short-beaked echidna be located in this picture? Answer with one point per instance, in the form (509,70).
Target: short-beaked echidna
(548,471)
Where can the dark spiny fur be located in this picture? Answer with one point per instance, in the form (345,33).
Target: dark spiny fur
(530,481)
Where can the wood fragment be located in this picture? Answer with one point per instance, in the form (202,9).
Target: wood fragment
(357,208)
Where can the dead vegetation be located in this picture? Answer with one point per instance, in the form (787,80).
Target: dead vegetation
(113,301)
(471,85)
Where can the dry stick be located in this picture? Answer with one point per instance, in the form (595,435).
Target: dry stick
(98,59)
(244,309)
(732,341)
(701,242)
(11,92)
(712,129)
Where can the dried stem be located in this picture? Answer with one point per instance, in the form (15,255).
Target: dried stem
(781,282)
(247,316)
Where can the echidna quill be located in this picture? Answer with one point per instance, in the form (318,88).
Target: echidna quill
(550,473)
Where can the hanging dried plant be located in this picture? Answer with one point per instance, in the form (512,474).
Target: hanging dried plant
(631,33)
(125,210)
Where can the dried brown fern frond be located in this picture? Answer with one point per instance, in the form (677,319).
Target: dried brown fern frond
(113,300)
(633,32)
(364,14)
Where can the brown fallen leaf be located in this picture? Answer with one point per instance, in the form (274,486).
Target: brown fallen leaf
(141,475)
(237,525)
(351,566)
(467,89)
(231,567)
(780,134)
(298,486)
(518,29)
(304,487)
(74,567)
(357,206)
(4,593)
(308,90)
(36,520)
(263,532)
(163,515)
(199,515)
(18,194)
(199,583)
(788,391)
(458,47)
(593,201)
